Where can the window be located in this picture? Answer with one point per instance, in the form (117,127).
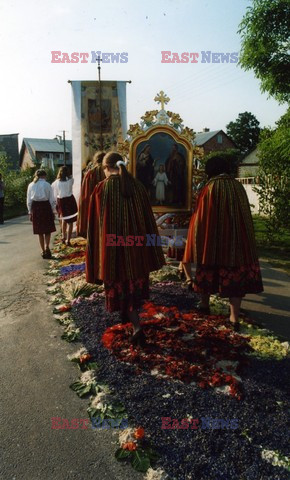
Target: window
(219,138)
(44,162)
(50,156)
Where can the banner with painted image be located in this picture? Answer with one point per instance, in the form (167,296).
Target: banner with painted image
(89,115)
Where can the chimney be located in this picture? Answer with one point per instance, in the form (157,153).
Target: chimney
(205,129)
(59,139)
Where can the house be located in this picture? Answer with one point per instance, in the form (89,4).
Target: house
(9,146)
(216,140)
(37,152)
(247,175)
(249,166)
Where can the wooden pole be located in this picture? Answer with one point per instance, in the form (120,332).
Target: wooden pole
(100,103)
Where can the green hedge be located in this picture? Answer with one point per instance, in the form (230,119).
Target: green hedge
(16,183)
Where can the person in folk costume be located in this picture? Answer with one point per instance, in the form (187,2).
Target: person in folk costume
(185,268)
(120,206)
(221,241)
(90,180)
(66,204)
(89,166)
(40,205)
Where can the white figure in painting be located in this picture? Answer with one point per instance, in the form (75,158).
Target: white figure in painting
(160,181)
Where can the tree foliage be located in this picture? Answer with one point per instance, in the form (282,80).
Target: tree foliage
(232,155)
(274,176)
(16,182)
(265,45)
(244,131)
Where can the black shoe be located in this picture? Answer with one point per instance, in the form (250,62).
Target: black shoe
(188,284)
(201,309)
(125,318)
(236,326)
(181,275)
(47,253)
(138,339)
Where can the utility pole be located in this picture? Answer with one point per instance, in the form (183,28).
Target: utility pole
(64,146)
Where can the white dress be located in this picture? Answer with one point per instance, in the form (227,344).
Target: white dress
(160,181)
(62,189)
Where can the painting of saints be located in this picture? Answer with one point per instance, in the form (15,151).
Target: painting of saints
(145,168)
(175,166)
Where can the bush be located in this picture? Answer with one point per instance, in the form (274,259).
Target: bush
(274,177)
(232,155)
(16,183)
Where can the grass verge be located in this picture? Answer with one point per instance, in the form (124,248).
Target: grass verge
(278,251)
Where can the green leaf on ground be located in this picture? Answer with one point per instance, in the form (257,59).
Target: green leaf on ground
(153,456)
(140,461)
(80,388)
(122,454)
(71,335)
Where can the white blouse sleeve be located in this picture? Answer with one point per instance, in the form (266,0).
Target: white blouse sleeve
(52,200)
(54,190)
(29,200)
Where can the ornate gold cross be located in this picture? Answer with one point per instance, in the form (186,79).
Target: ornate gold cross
(162,98)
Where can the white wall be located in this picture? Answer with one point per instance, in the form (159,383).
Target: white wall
(249,184)
(253,198)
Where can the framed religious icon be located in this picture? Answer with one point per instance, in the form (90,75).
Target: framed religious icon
(162,160)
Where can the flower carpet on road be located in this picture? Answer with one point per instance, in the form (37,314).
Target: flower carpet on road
(196,349)
(201,401)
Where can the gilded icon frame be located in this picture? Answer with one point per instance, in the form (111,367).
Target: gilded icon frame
(176,163)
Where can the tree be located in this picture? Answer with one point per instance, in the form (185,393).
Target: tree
(274,176)
(232,156)
(265,45)
(244,131)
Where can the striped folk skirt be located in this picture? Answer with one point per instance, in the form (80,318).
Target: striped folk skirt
(228,281)
(66,207)
(127,295)
(42,218)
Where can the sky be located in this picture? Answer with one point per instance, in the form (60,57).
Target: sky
(35,96)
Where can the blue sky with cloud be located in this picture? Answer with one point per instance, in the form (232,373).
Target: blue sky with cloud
(35,97)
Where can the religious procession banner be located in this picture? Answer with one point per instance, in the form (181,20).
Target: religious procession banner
(99,121)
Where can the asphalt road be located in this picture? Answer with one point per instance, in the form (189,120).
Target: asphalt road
(271,308)
(35,374)
(35,378)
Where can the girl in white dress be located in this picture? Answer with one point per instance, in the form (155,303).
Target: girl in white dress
(160,181)
(41,205)
(65,203)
